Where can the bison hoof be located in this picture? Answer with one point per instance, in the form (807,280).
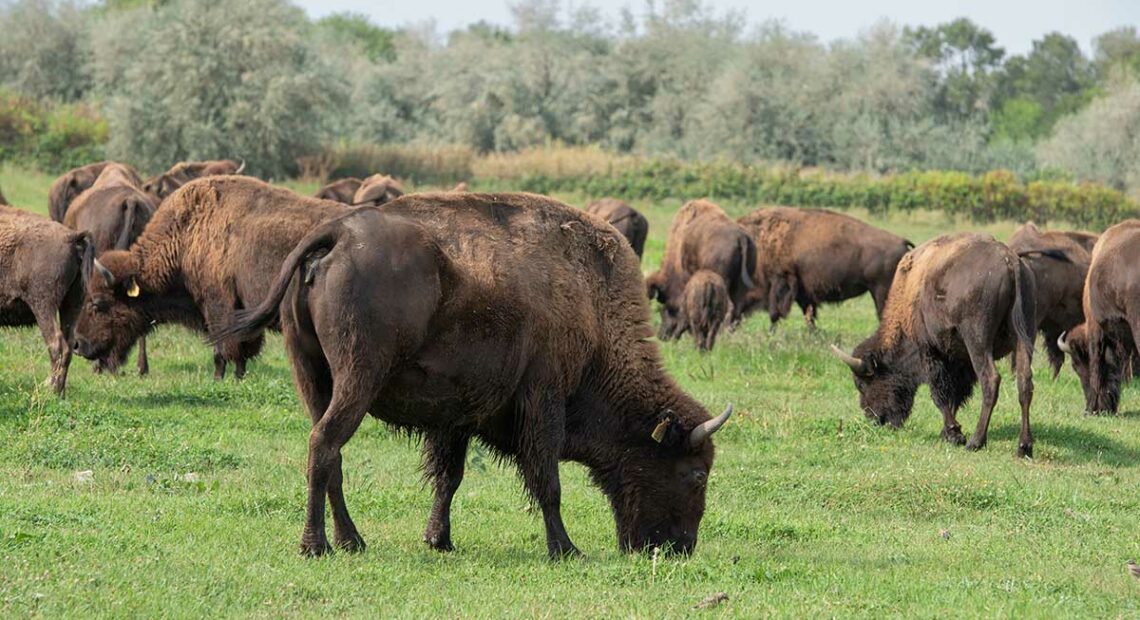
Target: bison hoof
(352,543)
(315,547)
(563,552)
(439,542)
(975,444)
(954,436)
(1025,451)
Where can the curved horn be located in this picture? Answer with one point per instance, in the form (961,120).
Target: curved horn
(855,364)
(701,433)
(1062,344)
(108,277)
(240,168)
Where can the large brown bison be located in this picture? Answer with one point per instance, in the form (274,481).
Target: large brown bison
(210,250)
(73,183)
(701,237)
(521,322)
(958,302)
(115,212)
(631,224)
(182,173)
(341,190)
(1101,347)
(1059,262)
(377,190)
(41,284)
(706,308)
(816,256)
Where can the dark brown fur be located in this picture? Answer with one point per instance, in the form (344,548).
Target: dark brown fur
(1059,284)
(182,173)
(377,190)
(521,322)
(816,256)
(341,190)
(958,302)
(69,186)
(701,237)
(1111,303)
(706,308)
(210,250)
(631,224)
(41,265)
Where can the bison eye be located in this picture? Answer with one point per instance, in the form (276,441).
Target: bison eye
(100,305)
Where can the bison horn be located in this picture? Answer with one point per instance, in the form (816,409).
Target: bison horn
(701,433)
(1062,344)
(240,168)
(108,277)
(857,366)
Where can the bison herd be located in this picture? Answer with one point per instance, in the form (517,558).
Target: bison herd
(523,323)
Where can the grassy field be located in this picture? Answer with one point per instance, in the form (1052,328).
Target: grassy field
(195,504)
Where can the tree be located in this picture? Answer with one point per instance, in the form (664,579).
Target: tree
(965,57)
(1055,75)
(44,49)
(1117,49)
(376,43)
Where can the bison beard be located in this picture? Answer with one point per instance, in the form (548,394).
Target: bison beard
(944,324)
(522,324)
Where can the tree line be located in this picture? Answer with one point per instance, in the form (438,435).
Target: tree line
(155,81)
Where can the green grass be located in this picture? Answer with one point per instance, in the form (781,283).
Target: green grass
(811,510)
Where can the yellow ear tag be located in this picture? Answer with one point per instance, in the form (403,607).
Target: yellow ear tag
(659,431)
(133,289)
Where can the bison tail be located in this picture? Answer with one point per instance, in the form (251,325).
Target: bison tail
(745,269)
(1024,305)
(84,244)
(130,212)
(908,243)
(246,324)
(1054,254)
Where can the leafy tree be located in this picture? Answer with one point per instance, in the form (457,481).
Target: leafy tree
(44,49)
(965,56)
(1055,75)
(376,42)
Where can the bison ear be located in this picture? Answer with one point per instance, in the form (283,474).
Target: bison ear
(658,433)
(133,288)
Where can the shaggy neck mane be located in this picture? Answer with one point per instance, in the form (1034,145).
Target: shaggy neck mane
(158,250)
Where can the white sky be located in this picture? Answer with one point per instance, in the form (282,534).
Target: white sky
(1015,24)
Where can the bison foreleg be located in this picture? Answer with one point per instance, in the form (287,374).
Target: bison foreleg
(444,458)
(540,445)
(950,386)
(143,363)
(47,319)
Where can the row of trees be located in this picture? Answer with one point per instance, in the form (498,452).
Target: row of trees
(258,79)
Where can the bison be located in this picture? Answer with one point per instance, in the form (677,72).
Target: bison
(706,308)
(1060,262)
(182,173)
(71,184)
(701,237)
(816,256)
(958,302)
(377,190)
(1103,344)
(631,224)
(210,250)
(521,322)
(115,212)
(41,283)
(341,190)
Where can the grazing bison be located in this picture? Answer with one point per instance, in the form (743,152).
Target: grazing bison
(70,185)
(701,237)
(521,322)
(182,173)
(212,249)
(816,256)
(41,282)
(115,213)
(341,190)
(706,308)
(631,224)
(1059,262)
(1101,347)
(958,302)
(377,190)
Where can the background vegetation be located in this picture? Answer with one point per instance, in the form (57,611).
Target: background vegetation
(195,502)
(155,81)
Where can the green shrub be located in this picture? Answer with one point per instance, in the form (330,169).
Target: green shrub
(52,138)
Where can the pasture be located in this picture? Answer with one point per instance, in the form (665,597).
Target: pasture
(194,505)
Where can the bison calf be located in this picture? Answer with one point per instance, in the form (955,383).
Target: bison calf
(631,224)
(958,302)
(341,190)
(520,322)
(706,308)
(41,264)
(1110,335)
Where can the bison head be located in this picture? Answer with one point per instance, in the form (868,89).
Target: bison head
(110,321)
(1075,344)
(657,490)
(161,186)
(886,387)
